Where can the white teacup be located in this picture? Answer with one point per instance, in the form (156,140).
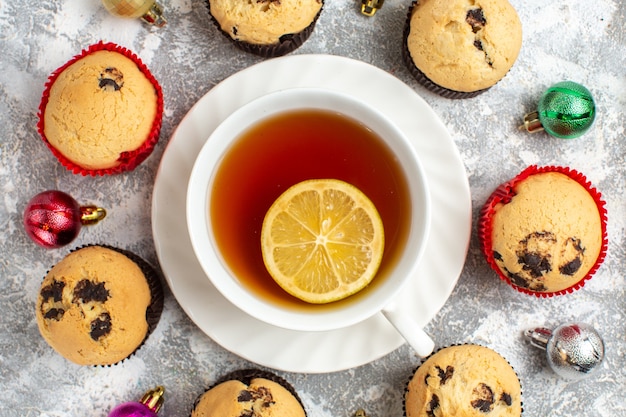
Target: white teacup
(378,297)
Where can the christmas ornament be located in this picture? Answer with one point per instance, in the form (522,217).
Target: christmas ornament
(573,350)
(566,110)
(148,406)
(148,10)
(53,218)
(369,7)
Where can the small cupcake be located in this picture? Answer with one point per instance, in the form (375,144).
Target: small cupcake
(98,305)
(268,28)
(101,112)
(459,49)
(544,231)
(249,392)
(464,380)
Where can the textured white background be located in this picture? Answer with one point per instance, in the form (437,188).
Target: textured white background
(577,40)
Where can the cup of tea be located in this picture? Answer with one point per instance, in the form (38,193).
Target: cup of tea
(284,138)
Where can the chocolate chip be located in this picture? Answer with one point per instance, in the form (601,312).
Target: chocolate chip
(476,19)
(535,263)
(571,267)
(261,393)
(484,398)
(244,396)
(533,253)
(536,237)
(111,79)
(482,405)
(54,314)
(100,326)
(86,291)
(576,243)
(574,251)
(517,279)
(54,291)
(433,404)
(445,375)
(265,395)
(497,256)
(506,398)
(524,281)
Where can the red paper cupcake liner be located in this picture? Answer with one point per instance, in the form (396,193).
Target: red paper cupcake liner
(127,160)
(505,192)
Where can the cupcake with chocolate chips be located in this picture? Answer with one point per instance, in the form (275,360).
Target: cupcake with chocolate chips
(98,305)
(268,28)
(249,392)
(544,231)
(101,112)
(465,380)
(460,49)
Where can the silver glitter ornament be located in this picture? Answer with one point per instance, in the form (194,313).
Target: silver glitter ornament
(573,350)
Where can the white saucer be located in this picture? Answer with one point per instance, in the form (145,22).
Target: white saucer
(316,352)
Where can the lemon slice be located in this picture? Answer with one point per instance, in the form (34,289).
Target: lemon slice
(322,240)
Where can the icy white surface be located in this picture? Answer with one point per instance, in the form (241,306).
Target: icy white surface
(563,39)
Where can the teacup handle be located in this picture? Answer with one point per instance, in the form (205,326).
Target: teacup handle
(412,333)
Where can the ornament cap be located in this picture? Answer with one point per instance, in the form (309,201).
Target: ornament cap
(154,16)
(369,7)
(153,399)
(538,337)
(532,124)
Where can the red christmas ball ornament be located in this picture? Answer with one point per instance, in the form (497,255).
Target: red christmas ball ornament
(53,218)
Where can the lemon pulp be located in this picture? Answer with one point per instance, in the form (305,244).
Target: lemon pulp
(322,240)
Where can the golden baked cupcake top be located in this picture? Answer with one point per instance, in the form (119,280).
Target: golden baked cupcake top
(464,45)
(261,398)
(549,235)
(99,107)
(264,22)
(466,380)
(92,306)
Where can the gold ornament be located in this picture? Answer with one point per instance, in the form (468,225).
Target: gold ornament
(148,10)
